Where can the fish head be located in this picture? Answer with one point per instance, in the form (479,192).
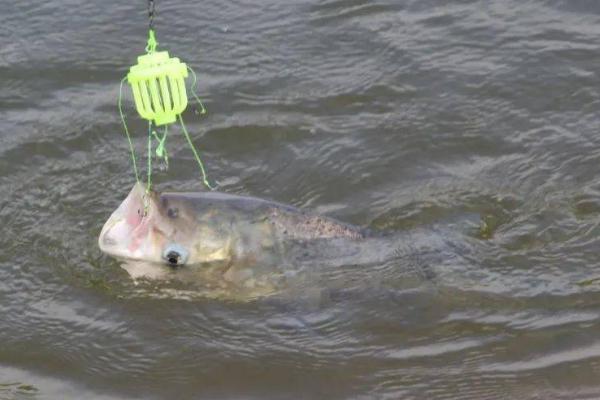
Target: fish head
(151,227)
(129,232)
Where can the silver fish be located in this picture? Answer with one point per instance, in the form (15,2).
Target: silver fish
(238,247)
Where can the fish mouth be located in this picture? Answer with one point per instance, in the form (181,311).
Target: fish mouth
(122,239)
(110,242)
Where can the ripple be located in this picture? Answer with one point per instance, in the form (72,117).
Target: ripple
(547,361)
(433,350)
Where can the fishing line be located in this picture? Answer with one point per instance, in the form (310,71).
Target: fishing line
(193,90)
(131,149)
(149,184)
(189,140)
(158,85)
(161,150)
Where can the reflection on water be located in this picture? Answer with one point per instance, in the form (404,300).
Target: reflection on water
(468,131)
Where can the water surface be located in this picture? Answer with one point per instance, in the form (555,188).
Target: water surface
(472,125)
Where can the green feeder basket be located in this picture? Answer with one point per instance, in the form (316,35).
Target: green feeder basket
(158,86)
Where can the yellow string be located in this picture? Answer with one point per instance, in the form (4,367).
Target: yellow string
(193,90)
(149,185)
(152,43)
(161,148)
(131,149)
(189,140)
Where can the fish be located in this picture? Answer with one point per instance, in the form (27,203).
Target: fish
(227,246)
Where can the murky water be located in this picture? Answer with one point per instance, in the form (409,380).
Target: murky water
(471,128)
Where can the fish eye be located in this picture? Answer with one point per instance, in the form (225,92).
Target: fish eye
(173,212)
(175,255)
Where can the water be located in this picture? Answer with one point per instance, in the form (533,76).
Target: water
(473,124)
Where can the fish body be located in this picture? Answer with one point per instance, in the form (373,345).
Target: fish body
(226,246)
